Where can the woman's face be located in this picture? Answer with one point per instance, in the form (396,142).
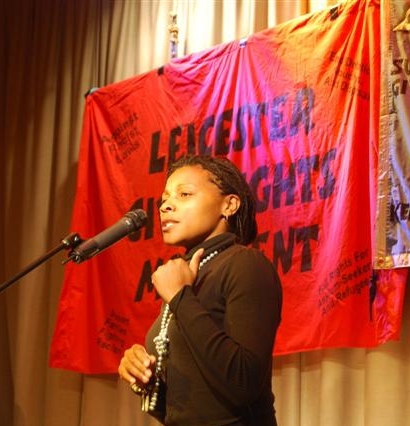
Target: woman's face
(192,207)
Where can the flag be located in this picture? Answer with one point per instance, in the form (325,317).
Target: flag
(297,108)
(393,205)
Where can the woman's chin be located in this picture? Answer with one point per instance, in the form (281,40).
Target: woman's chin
(170,239)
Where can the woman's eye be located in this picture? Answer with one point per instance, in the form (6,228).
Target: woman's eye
(185,194)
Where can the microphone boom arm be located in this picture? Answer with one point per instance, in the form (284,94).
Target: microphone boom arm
(69,242)
(83,250)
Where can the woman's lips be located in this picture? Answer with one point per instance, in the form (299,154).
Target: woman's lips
(166,225)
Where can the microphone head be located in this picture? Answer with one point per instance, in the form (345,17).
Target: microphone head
(139,219)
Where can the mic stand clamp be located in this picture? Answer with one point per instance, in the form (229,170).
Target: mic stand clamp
(71,241)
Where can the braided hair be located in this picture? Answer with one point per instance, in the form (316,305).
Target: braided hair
(228,178)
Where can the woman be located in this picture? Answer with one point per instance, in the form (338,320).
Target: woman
(209,354)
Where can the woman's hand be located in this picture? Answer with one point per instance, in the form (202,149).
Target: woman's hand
(136,365)
(169,278)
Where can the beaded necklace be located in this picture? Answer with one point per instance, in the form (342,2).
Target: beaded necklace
(149,397)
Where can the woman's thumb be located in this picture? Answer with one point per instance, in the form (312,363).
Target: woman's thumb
(194,262)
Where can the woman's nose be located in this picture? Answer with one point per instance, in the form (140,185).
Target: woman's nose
(167,206)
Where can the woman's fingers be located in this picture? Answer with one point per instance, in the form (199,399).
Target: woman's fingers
(136,364)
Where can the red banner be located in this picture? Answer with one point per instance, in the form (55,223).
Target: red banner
(296,107)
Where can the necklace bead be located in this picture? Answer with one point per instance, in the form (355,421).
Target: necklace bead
(208,258)
(161,342)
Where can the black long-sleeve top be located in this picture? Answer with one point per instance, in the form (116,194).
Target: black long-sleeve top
(222,332)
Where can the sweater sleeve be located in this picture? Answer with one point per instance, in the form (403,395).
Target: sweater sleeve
(235,357)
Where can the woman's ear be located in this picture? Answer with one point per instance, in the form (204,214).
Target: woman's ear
(231,205)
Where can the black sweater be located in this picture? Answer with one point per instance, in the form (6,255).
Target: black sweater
(222,332)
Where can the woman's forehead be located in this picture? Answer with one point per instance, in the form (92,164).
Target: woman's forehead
(191,174)
(194,176)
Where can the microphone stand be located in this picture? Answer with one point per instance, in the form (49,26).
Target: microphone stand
(69,242)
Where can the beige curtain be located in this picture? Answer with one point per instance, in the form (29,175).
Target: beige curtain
(52,52)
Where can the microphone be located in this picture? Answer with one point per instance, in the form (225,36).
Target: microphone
(130,223)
